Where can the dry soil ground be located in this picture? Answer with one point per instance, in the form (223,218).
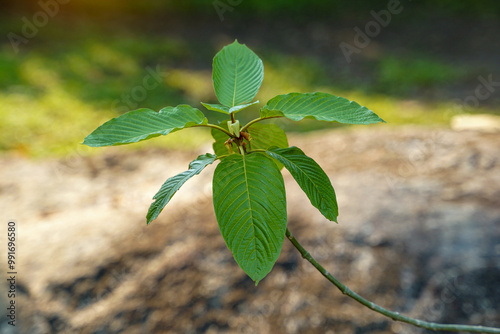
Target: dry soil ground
(419,233)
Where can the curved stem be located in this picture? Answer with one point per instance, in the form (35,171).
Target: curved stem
(215,127)
(393,315)
(257,120)
(222,157)
(257,150)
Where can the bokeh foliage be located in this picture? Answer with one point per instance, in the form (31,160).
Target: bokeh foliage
(73,75)
(297,8)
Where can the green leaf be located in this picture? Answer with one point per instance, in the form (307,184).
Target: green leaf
(220,138)
(170,187)
(227,110)
(263,136)
(250,206)
(311,178)
(237,74)
(143,124)
(320,106)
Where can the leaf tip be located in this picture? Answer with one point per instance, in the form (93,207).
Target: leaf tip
(89,142)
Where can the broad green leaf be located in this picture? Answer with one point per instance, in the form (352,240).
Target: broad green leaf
(143,124)
(310,177)
(263,136)
(226,110)
(237,74)
(170,187)
(320,106)
(250,206)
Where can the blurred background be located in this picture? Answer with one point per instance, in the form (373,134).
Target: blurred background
(419,197)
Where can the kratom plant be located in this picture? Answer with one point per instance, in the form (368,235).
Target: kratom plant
(248,188)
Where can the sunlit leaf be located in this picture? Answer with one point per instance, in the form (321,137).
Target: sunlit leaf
(143,124)
(237,74)
(320,106)
(265,136)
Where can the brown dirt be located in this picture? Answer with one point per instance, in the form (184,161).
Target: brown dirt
(419,233)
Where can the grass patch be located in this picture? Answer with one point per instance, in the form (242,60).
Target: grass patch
(400,75)
(62,86)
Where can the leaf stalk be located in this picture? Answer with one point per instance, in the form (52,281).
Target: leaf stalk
(216,127)
(257,120)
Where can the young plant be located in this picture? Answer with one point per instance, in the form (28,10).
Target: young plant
(248,189)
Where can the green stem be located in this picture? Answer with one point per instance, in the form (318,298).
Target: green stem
(222,157)
(215,127)
(393,315)
(257,120)
(257,150)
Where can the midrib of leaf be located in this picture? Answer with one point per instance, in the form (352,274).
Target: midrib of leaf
(235,80)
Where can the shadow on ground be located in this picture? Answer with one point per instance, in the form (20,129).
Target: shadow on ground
(419,233)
